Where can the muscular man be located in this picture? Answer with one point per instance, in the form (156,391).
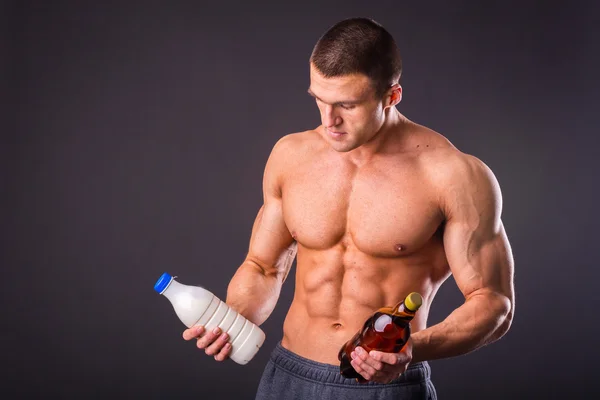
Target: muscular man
(374,206)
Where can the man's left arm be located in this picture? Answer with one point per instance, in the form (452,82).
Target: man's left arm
(480,258)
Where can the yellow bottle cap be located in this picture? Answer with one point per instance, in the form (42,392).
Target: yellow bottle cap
(413,301)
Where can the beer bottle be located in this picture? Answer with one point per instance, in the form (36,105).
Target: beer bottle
(387,330)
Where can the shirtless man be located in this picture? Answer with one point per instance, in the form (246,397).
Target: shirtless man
(374,206)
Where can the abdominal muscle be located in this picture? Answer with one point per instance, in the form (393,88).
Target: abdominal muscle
(338,289)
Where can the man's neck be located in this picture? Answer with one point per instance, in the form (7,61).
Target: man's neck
(392,125)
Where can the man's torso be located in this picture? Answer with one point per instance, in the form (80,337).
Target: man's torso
(367,236)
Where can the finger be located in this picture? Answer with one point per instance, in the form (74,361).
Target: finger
(384,375)
(389,358)
(356,364)
(361,365)
(193,332)
(394,364)
(216,346)
(208,338)
(369,374)
(370,362)
(224,353)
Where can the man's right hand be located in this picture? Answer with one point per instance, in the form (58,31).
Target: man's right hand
(215,343)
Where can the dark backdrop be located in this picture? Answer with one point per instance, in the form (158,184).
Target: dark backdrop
(134,143)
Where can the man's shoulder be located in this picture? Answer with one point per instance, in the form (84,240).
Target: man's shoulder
(295,145)
(447,167)
(461,178)
(449,162)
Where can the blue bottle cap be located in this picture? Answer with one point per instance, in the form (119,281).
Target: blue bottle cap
(162,282)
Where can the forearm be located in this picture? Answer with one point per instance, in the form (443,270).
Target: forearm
(482,319)
(253,292)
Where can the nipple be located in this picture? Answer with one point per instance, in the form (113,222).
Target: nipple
(294,234)
(399,247)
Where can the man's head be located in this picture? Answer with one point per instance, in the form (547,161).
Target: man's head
(354,72)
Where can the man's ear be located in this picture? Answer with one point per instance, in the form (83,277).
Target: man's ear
(394,95)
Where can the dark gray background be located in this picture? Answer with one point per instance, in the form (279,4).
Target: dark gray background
(134,144)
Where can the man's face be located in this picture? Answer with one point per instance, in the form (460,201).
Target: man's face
(350,112)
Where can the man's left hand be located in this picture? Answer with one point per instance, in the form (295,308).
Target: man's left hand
(381,367)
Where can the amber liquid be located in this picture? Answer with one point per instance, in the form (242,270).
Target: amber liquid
(387,330)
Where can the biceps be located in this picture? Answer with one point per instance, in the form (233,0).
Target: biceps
(479,260)
(272,247)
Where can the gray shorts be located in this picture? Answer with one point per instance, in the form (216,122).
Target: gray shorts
(288,376)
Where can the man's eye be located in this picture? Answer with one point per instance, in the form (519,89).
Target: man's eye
(347,107)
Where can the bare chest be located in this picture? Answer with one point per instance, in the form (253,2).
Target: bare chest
(383,210)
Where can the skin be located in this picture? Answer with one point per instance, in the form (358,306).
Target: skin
(385,209)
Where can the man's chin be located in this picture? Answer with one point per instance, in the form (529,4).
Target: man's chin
(342,147)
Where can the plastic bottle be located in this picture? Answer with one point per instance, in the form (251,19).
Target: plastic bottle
(387,330)
(195,305)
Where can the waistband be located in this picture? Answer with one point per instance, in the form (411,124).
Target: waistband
(294,364)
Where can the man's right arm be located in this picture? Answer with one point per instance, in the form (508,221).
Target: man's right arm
(254,289)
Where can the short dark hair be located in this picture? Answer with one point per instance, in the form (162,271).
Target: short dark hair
(359,45)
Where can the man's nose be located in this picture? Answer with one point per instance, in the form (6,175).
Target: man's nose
(329,117)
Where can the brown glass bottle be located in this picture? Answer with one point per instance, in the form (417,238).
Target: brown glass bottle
(387,330)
